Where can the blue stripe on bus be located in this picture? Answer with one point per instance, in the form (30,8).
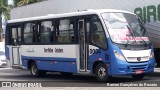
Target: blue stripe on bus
(52,63)
(7,52)
(49,58)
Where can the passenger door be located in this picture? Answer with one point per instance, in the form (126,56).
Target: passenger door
(83,38)
(15,46)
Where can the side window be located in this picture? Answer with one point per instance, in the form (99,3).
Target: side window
(46,30)
(29,32)
(97,34)
(14,36)
(87,22)
(65,31)
(19,35)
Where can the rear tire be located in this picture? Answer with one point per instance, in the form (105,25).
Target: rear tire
(101,72)
(138,76)
(35,72)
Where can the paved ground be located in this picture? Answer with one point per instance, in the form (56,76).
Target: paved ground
(78,82)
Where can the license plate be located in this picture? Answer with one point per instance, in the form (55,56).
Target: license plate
(139,71)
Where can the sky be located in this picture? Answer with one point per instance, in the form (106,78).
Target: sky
(10,1)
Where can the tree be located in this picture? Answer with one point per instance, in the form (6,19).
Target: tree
(5,11)
(25,2)
(15,2)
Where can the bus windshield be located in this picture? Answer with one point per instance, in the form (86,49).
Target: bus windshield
(125,28)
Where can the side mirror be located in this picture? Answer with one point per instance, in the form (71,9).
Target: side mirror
(144,22)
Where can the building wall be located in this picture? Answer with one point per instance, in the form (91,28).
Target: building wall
(64,6)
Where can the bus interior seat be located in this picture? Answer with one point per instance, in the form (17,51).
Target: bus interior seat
(59,38)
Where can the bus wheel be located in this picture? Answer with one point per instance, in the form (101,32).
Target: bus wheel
(35,72)
(138,76)
(66,73)
(101,72)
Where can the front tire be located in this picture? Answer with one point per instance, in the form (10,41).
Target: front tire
(101,72)
(35,72)
(138,76)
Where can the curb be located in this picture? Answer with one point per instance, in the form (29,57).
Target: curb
(5,68)
(156,69)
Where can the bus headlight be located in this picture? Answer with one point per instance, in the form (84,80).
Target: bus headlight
(151,55)
(118,55)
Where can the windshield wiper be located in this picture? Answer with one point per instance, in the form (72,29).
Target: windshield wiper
(126,44)
(130,30)
(145,44)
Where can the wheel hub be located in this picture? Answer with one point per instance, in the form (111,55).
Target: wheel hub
(101,72)
(34,70)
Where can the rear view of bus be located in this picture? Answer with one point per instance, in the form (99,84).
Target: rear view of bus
(131,51)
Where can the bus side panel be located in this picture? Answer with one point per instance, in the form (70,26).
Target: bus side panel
(7,42)
(7,52)
(25,63)
(57,66)
(52,64)
(51,57)
(99,55)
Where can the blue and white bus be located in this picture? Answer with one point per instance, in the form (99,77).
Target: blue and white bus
(102,42)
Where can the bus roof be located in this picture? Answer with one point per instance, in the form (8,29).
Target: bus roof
(85,12)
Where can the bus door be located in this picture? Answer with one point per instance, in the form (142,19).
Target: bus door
(15,46)
(83,36)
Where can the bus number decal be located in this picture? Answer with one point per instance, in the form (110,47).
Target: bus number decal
(94,51)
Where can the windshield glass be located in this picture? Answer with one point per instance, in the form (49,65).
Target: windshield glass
(125,28)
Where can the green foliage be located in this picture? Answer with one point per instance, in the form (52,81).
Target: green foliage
(4,8)
(15,2)
(25,2)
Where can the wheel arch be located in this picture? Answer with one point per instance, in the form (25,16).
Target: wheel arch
(30,62)
(95,64)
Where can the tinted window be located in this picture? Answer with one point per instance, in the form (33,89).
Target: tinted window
(46,30)
(65,31)
(15,38)
(98,34)
(29,32)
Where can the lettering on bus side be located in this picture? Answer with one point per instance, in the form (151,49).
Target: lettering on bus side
(49,50)
(94,51)
(58,50)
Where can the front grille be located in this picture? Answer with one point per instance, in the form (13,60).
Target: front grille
(138,66)
(135,59)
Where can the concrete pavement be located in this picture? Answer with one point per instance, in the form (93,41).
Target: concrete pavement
(157,70)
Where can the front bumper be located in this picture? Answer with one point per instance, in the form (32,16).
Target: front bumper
(126,68)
